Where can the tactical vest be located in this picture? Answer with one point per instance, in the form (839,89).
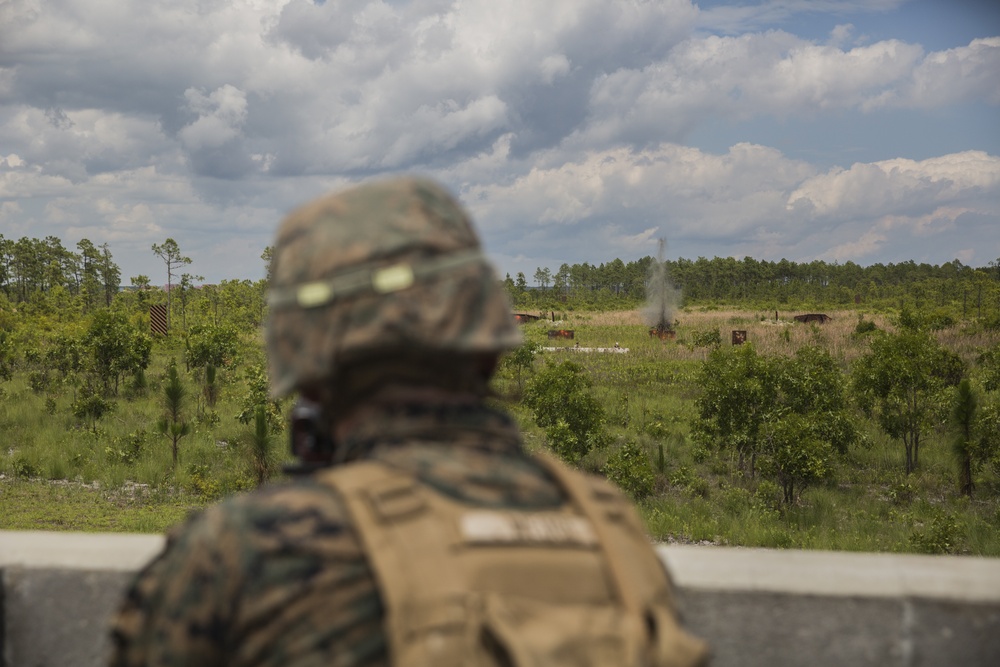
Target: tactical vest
(462,585)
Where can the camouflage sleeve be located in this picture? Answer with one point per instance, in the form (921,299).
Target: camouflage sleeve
(274,578)
(175,611)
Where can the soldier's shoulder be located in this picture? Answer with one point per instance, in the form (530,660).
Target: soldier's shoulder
(303,499)
(270,516)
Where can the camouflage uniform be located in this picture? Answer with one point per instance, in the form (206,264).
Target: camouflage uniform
(383,307)
(277,577)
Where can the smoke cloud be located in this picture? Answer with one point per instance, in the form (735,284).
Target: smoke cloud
(662,297)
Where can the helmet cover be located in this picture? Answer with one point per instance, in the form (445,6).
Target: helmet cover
(387,266)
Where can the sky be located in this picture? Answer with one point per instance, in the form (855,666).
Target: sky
(572,130)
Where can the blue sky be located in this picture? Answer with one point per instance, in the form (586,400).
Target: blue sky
(574,130)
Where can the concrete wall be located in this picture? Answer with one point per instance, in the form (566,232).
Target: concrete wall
(755,606)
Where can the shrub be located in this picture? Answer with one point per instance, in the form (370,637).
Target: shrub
(864,326)
(937,536)
(91,405)
(212,345)
(126,449)
(563,405)
(23,468)
(707,338)
(628,467)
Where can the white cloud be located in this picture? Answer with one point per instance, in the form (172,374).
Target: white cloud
(221,115)
(886,187)
(945,77)
(562,123)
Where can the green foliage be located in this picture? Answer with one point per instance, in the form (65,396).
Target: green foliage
(898,381)
(707,338)
(6,355)
(91,405)
(202,483)
(794,455)
(172,423)
(864,326)
(964,409)
(261,455)
(126,450)
(118,348)
(628,467)
(936,536)
(24,468)
(939,320)
(139,384)
(208,344)
(738,395)
(211,388)
(649,395)
(519,362)
(560,397)
(989,368)
(788,412)
(258,395)
(902,492)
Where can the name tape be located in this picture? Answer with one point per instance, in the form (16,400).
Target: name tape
(486,527)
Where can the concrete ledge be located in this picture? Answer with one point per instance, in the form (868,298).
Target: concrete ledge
(755,606)
(782,607)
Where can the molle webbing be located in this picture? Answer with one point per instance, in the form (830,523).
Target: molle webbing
(468,585)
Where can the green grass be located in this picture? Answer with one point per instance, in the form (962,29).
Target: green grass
(867,505)
(43,505)
(59,474)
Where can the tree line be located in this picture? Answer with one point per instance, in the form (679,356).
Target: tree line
(975,291)
(32,267)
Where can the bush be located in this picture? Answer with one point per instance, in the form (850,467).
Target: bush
(937,536)
(23,468)
(629,468)
(202,483)
(212,345)
(127,449)
(707,338)
(91,405)
(563,405)
(864,326)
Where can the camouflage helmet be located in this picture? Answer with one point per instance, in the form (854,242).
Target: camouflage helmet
(388,266)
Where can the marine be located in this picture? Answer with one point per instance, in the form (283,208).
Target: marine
(415,529)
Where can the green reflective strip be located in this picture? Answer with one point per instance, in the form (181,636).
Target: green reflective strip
(383,280)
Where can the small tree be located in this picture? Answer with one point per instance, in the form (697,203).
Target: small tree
(258,396)
(268,257)
(212,345)
(91,405)
(739,394)
(170,253)
(520,361)
(261,458)
(794,455)
(211,389)
(563,405)
(963,419)
(187,284)
(989,368)
(629,468)
(117,347)
(172,423)
(6,356)
(788,412)
(900,381)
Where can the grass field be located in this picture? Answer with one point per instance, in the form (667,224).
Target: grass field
(60,474)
